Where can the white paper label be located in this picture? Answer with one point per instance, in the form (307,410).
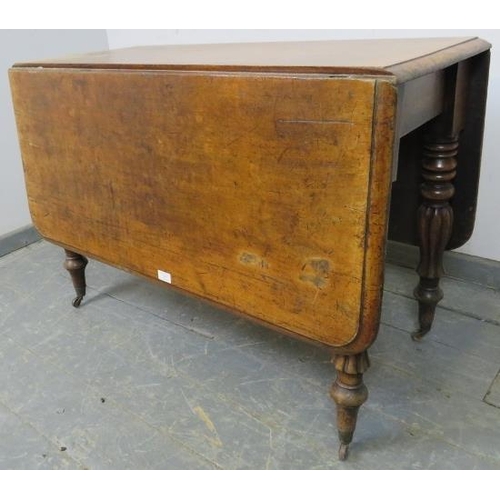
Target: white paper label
(163,276)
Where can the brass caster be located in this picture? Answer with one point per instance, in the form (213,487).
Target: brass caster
(420,334)
(343,451)
(77,301)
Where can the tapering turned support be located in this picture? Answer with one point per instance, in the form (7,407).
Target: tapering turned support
(75,265)
(349,393)
(435,222)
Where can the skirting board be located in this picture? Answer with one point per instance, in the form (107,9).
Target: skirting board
(18,239)
(484,272)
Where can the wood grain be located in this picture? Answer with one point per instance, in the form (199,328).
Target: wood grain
(251,191)
(377,216)
(406,59)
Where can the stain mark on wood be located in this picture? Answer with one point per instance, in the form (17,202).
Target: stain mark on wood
(251,259)
(241,176)
(316,271)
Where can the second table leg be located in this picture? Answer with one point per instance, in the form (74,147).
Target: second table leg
(435,222)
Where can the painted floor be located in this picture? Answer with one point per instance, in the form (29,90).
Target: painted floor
(143,378)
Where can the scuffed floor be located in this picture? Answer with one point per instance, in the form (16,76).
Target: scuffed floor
(143,378)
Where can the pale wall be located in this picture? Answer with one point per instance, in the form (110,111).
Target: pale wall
(19,45)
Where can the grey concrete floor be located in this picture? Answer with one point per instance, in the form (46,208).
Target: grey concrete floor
(143,378)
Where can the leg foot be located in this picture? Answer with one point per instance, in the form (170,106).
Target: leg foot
(77,301)
(349,393)
(75,264)
(343,451)
(428,293)
(435,221)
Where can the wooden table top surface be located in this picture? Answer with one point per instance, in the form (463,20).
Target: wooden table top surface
(403,58)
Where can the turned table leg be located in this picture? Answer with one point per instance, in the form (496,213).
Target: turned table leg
(435,221)
(75,265)
(349,393)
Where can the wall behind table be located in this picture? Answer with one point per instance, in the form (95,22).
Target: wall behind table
(485,241)
(18,46)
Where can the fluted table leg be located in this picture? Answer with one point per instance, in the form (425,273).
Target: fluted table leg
(435,222)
